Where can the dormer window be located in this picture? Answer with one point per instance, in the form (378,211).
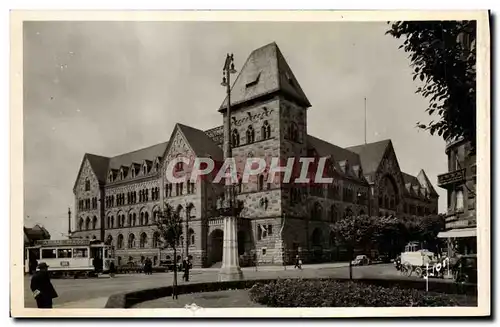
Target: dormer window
(122,175)
(133,172)
(157,165)
(144,169)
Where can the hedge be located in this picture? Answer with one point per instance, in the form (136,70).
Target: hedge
(334,293)
(128,299)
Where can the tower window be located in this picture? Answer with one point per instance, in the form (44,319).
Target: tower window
(250,134)
(235,138)
(266,130)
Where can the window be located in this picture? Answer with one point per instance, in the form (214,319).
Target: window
(119,241)
(146,218)
(179,166)
(80,253)
(266,130)
(64,253)
(156,240)
(293,132)
(94,223)
(48,253)
(250,134)
(264,251)
(87,185)
(144,240)
(80,224)
(235,138)
(191,237)
(316,212)
(87,223)
(459,204)
(145,169)
(131,241)
(269,230)
(260,184)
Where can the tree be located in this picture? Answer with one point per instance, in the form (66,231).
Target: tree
(169,226)
(443,57)
(354,231)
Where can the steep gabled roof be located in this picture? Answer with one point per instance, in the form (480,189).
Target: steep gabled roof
(424,180)
(265,72)
(99,165)
(324,148)
(371,155)
(201,143)
(126,159)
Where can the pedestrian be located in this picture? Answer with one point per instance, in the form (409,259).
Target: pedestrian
(148,266)
(186,265)
(298,262)
(42,288)
(112,269)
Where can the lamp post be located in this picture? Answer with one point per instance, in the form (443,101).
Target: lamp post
(227,205)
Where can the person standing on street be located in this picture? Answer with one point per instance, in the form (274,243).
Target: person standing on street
(298,262)
(42,288)
(186,265)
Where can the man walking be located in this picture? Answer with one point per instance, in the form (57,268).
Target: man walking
(42,288)
(186,265)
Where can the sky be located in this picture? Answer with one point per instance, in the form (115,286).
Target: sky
(113,87)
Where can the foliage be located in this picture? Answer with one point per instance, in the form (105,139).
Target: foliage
(331,293)
(443,57)
(169,226)
(354,231)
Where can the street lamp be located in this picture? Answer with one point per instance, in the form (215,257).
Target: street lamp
(227,205)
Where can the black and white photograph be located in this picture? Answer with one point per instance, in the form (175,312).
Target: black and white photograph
(251,165)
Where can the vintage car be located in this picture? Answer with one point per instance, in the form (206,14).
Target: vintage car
(361,260)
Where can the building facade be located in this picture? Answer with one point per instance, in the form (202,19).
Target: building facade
(118,198)
(460,183)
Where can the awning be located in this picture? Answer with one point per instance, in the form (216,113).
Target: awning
(463,232)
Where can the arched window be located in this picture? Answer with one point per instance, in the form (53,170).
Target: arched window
(191,236)
(80,224)
(146,218)
(122,220)
(112,225)
(333,214)
(119,242)
(143,241)
(250,134)
(142,218)
(293,132)
(131,241)
(235,138)
(134,219)
(260,184)
(109,240)
(87,223)
(316,211)
(156,240)
(266,130)
(87,185)
(155,215)
(94,222)
(129,222)
(459,205)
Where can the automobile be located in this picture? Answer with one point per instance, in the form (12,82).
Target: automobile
(384,258)
(465,270)
(360,260)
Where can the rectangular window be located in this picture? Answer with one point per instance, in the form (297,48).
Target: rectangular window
(270,230)
(80,253)
(48,253)
(259,233)
(64,253)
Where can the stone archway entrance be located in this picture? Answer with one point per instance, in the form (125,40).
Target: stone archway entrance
(216,242)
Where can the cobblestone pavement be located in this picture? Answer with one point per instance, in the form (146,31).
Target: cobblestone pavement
(91,292)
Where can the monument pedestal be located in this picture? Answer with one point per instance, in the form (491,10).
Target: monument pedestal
(230,269)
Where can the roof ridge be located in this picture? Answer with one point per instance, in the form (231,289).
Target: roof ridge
(141,149)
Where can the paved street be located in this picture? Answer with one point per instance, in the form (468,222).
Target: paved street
(88,293)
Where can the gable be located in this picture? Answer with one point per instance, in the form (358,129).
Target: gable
(389,165)
(86,174)
(177,146)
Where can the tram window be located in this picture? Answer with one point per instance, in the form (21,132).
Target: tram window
(80,253)
(64,253)
(48,253)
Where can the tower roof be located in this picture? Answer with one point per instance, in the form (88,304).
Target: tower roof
(265,72)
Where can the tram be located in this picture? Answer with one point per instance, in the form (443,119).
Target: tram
(73,257)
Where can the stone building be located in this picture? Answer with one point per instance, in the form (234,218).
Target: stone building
(118,198)
(460,183)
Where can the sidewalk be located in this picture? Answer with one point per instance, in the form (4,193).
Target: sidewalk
(95,303)
(280,268)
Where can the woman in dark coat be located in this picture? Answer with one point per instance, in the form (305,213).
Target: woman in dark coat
(42,288)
